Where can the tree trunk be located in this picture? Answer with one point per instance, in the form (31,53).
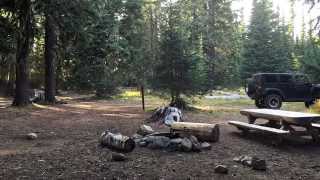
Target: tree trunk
(50,57)
(23,48)
(204,132)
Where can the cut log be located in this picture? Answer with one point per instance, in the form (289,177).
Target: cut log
(203,131)
(117,142)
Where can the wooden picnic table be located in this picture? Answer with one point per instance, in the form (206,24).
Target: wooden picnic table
(281,122)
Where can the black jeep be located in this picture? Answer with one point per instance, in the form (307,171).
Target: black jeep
(269,90)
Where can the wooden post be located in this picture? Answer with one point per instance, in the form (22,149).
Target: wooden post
(142,97)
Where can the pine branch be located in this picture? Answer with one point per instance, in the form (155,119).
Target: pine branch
(7,4)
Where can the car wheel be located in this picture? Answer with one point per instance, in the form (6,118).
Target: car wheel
(260,103)
(309,103)
(273,101)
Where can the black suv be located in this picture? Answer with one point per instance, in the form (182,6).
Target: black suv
(269,90)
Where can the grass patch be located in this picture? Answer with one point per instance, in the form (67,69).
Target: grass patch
(315,108)
(215,107)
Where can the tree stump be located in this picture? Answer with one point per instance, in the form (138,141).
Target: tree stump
(117,142)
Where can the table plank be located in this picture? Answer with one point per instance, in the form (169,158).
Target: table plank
(258,127)
(278,115)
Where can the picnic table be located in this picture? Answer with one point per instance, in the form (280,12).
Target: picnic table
(281,123)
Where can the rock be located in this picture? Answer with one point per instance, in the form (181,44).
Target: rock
(142,144)
(174,144)
(145,130)
(186,145)
(221,169)
(157,142)
(31,136)
(258,164)
(118,157)
(205,146)
(238,159)
(137,136)
(247,161)
(196,145)
(254,162)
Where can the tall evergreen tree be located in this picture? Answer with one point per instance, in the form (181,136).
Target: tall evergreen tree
(50,55)
(217,39)
(176,71)
(267,45)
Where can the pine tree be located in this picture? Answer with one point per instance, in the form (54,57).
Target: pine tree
(267,44)
(176,71)
(217,39)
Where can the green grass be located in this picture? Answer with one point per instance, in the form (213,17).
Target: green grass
(216,107)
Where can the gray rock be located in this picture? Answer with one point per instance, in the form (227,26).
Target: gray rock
(258,164)
(186,145)
(142,144)
(238,159)
(145,130)
(137,136)
(118,157)
(157,142)
(247,161)
(205,146)
(254,162)
(196,145)
(174,144)
(31,136)
(221,169)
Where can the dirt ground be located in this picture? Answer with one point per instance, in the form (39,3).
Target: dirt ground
(67,147)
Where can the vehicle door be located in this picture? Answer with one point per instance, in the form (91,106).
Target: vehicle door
(286,85)
(302,87)
(270,81)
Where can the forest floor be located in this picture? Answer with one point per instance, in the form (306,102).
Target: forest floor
(67,146)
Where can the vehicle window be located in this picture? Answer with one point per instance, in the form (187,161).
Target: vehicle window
(256,79)
(270,78)
(285,78)
(300,79)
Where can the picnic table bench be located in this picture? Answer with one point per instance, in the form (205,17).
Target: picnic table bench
(281,123)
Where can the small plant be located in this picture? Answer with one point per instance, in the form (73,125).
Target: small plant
(316,107)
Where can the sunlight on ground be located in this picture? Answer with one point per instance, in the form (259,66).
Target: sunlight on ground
(121,115)
(315,108)
(82,106)
(130,93)
(4,102)
(49,107)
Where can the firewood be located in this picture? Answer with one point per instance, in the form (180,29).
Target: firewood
(203,131)
(117,141)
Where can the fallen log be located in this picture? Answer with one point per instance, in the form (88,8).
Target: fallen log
(117,142)
(203,131)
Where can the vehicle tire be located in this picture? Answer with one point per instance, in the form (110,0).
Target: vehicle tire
(260,103)
(273,101)
(309,103)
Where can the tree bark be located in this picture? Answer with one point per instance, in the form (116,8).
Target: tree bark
(23,48)
(203,131)
(9,4)
(50,58)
